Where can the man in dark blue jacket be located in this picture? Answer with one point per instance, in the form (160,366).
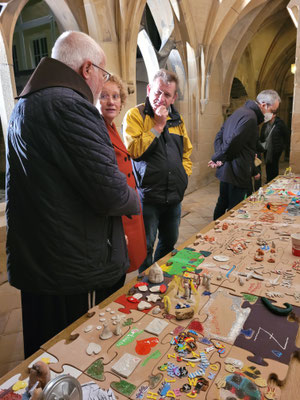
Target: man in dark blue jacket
(235,149)
(66,248)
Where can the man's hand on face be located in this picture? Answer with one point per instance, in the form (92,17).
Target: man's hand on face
(160,118)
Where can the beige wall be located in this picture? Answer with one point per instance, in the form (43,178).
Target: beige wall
(252,40)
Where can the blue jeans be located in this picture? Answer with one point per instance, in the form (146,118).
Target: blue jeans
(166,220)
(229,197)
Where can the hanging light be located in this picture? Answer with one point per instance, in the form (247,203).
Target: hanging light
(293,68)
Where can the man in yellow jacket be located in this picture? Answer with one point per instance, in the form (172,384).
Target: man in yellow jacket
(157,140)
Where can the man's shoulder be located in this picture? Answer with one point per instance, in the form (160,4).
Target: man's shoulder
(242,115)
(64,93)
(136,112)
(55,96)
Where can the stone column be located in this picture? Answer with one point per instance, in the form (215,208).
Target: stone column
(293,8)
(7,89)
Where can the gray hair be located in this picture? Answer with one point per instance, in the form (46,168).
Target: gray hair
(74,48)
(166,76)
(268,96)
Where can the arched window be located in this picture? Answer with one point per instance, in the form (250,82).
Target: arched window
(35,33)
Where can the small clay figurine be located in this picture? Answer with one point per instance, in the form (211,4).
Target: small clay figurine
(106,333)
(156,274)
(206,281)
(187,290)
(118,330)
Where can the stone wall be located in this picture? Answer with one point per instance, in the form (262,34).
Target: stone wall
(11,336)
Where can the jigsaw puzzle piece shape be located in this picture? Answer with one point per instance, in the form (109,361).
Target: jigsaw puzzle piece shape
(46,358)
(128,344)
(128,306)
(236,373)
(24,377)
(11,381)
(17,381)
(175,299)
(273,338)
(74,350)
(105,384)
(225,316)
(183,372)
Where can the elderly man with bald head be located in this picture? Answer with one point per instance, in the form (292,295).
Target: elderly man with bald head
(66,247)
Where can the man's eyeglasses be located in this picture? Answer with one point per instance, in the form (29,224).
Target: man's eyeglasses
(106,75)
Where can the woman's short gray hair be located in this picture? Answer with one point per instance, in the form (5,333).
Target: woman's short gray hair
(268,96)
(74,48)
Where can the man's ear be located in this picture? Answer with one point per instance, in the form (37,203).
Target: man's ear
(175,97)
(85,69)
(148,89)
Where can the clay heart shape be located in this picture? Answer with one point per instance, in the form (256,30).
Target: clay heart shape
(132,299)
(155,289)
(93,348)
(143,305)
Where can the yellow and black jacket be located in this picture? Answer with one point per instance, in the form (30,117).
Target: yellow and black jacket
(161,161)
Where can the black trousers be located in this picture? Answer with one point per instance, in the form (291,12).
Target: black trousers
(229,197)
(272,168)
(46,315)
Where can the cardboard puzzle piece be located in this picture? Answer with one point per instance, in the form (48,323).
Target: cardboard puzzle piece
(11,381)
(278,281)
(128,307)
(276,276)
(46,358)
(20,381)
(272,337)
(106,384)
(184,260)
(143,343)
(225,316)
(180,373)
(145,292)
(17,384)
(75,352)
(176,298)
(239,378)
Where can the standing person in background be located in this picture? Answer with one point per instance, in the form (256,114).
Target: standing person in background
(66,248)
(235,149)
(273,137)
(157,140)
(112,99)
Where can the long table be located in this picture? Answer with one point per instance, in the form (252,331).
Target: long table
(232,345)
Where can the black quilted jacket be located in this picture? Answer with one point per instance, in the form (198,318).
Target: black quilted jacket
(278,136)
(65,194)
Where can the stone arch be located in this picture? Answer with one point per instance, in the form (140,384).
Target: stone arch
(238,95)
(8,20)
(128,20)
(221,26)
(243,31)
(67,21)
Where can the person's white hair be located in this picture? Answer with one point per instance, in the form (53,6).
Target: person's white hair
(268,96)
(74,48)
